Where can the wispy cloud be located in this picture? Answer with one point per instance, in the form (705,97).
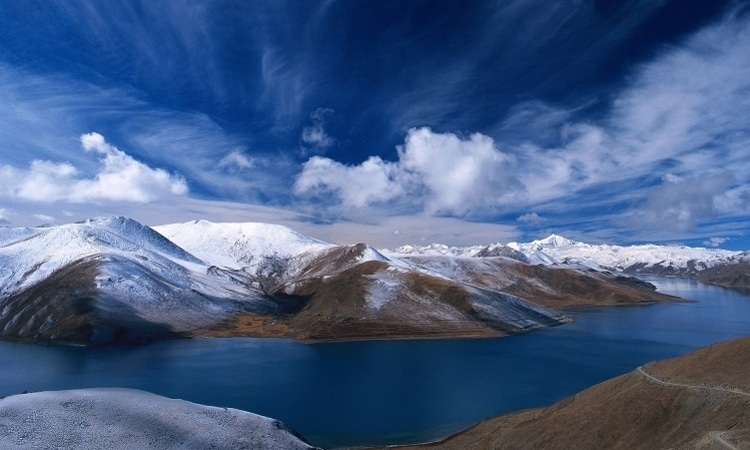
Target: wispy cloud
(672,148)
(41,116)
(235,160)
(314,138)
(285,86)
(44,218)
(119,178)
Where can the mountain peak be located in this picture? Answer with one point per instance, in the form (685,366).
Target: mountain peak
(554,240)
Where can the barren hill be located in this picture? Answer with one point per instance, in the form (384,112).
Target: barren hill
(697,401)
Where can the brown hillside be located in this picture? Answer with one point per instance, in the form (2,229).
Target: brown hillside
(698,401)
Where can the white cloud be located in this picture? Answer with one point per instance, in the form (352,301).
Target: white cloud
(682,115)
(530,218)
(460,176)
(679,203)
(119,178)
(373,181)
(314,137)
(444,173)
(715,241)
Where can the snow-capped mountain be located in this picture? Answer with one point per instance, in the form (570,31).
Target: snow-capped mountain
(475,251)
(636,258)
(116,280)
(111,279)
(724,267)
(240,245)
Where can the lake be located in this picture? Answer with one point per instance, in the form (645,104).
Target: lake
(382,392)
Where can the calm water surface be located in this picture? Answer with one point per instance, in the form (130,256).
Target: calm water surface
(393,391)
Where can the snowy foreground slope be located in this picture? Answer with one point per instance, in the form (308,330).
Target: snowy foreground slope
(114,280)
(131,419)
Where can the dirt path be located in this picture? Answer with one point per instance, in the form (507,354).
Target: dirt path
(643,372)
(717,436)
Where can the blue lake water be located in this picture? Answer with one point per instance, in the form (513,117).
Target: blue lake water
(393,391)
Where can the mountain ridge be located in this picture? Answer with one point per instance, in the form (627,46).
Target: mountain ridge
(114,280)
(714,266)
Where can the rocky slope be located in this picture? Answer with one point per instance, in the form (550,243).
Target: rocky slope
(129,419)
(114,280)
(698,401)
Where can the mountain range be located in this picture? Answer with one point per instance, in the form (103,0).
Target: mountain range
(114,280)
(709,265)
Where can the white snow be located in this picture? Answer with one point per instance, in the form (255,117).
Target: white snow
(29,255)
(556,249)
(239,245)
(138,270)
(129,419)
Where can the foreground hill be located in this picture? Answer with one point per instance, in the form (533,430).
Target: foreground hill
(114,280)
(698,401)
(131,419)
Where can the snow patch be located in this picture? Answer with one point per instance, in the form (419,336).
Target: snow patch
(127,419)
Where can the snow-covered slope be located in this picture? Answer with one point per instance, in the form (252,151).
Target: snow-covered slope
(475,251)
(240,245)
(130,419)
(110,279)
(28,255)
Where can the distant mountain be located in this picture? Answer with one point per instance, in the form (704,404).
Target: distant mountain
(715,266)
(114,280)
(697,401)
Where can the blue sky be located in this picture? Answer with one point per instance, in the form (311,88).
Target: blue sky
(386,122)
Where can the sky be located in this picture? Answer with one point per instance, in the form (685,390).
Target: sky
(390,123)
